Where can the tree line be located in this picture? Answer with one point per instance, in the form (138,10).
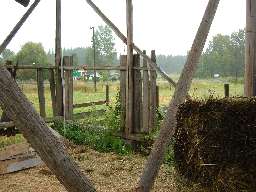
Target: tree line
(224,55)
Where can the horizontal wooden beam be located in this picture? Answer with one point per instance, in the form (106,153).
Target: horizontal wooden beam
(80,105)
(118,68)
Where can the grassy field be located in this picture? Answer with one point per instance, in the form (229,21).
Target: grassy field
(83,91)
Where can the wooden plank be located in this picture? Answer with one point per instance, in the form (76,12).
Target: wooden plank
(137,104)
(18,26)
(250,50)
(30,66)
(58,58)
(53,90)
(129,80)
(146,101)
(81,105)
(40,89)
(153,76)
(68,107)
(123,74)
(11,151)
(124,39)
(19,163)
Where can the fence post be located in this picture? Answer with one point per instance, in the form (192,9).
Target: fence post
(153,77)
(68,109)
(157,97)
(107,95)
(146,107)
(226,90)
(53,91)
(137,100)
(40,89)
(123,61)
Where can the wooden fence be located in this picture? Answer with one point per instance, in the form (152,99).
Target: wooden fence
(142,96)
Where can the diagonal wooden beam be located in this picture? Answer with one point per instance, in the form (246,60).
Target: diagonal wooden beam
(124,39)
(168,127)
(18,26)
(23,2)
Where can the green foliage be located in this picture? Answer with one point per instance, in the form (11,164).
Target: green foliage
(113,114)
(224,56)
(7,55)
(31,53)
(98,138)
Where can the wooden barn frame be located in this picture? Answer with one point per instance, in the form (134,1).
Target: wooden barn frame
(51,149)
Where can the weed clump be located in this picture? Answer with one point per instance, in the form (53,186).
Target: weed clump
(96,137)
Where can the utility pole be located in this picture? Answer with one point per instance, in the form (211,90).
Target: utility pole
(94,58)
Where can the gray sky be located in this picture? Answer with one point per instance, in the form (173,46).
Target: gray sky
(168,26)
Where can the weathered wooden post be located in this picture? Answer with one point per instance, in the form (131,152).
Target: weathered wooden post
(153,76)
(250,49)
(40,89)
(107,95)
(137,97)
(146,100)
(58,58)
(53,91)
(226,90)
(157,97)
(68,107)
(130,70)
(123,62)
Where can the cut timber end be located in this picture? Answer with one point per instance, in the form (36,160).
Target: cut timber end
(18,157)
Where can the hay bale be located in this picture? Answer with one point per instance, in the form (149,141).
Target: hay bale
(215,143)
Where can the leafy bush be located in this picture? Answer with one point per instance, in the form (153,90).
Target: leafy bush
(98,138)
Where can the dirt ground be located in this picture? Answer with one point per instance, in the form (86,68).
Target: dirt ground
(109,172)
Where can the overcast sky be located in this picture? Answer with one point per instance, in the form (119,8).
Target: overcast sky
(168,26)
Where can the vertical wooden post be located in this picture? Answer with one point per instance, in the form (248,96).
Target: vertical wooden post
(146,106)
(250,49)
(58,56)
(107,95)
(53,91)
(123,63)
(68,110)
(129,83)
(40,89)
(153,76)
(226,90)
(137,104)
(157,97)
